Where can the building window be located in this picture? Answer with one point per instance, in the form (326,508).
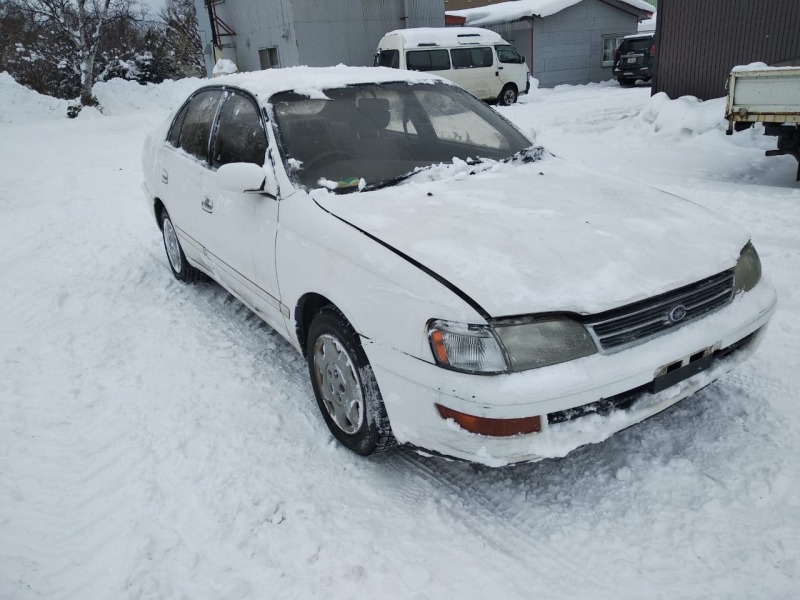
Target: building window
(268,57)
(610,45)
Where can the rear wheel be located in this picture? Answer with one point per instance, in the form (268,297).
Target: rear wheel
(345,386)
(508,95)
(181,268)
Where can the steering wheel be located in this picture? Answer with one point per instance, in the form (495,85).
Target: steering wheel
(327,156)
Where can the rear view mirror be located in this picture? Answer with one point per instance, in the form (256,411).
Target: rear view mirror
(246,177)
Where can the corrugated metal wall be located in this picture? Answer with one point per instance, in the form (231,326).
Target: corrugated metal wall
(348,31)
(568,46)
(699,41)
(314,32)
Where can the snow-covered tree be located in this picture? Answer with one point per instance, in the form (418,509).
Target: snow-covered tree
(182,37)
(80,23)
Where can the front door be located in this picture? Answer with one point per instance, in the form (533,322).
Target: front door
(239,228)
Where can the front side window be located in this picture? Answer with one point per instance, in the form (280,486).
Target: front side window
(427,60)
(383,133)
(240,135)
(387,58)
(196,128)
(472,58)
(508,55)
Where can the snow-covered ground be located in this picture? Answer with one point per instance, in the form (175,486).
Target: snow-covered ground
(158,441)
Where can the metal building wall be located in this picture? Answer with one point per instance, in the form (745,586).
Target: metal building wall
(568,46)
(698,42)
(313,32)
(348,31)
(258,24)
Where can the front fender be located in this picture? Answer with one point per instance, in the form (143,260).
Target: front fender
(386,298)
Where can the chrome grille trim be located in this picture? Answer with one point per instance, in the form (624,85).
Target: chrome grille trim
(646,319)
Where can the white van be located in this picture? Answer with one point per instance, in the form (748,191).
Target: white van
(478,60)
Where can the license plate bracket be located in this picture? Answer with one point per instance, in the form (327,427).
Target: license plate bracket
(676,372)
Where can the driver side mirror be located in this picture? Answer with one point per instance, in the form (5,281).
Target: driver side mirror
(247,177)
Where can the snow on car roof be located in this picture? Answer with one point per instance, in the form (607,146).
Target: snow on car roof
(312,81)
(446,36)
(640,36)
(512,11)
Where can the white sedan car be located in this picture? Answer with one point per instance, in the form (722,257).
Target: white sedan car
(450,286)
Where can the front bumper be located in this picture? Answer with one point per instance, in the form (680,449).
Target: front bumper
(412,387)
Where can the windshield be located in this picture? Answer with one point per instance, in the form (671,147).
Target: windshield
(374,135)
(638,46)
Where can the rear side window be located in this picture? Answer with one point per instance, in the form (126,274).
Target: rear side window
(175,131)
(240,135)
(196,128)
(387,58)
(508,55)
(472,58)
(428,60)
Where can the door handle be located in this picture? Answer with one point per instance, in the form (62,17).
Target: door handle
(207,205)
(164,176)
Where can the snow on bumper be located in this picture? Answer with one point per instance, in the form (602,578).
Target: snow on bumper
(412,387)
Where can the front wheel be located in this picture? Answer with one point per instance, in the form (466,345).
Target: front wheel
(508,96)
(345,386)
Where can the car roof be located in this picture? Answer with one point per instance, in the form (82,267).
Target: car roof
(313,81)
(639,36)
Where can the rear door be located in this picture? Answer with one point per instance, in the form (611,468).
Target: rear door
(184,165)
(634,55)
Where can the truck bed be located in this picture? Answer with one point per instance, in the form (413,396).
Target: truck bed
(768,95)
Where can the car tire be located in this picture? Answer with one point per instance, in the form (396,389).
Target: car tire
(625,82)
(178,264)
(508,95)
(345,386)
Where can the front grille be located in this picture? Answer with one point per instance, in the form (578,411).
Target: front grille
(643,320)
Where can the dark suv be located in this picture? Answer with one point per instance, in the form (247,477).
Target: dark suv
(634,58)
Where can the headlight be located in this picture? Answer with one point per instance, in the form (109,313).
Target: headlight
(505,347)
(546,342)
(470,348)
(748,270)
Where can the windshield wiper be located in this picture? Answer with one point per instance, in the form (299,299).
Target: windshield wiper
(528,155)
(394,180)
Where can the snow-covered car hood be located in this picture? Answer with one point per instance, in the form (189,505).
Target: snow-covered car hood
(521,239)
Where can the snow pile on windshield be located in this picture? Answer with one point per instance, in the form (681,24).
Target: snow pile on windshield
(519,9)
(684,116)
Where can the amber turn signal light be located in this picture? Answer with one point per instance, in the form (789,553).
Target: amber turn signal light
(439,349)
(492,427)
